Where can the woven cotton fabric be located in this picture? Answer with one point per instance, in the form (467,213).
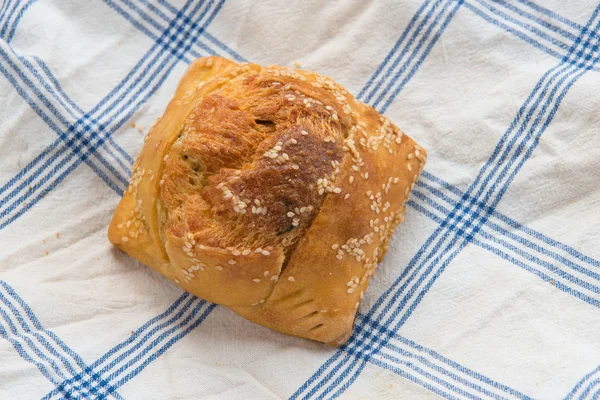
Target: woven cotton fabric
(491,286)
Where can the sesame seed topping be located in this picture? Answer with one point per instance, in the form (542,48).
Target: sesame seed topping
(291,279)
(290,214)
(259,250)
(246,252)
(219,268)
(346,196)
(231,262)
(265,253)
(124,239)
(176,280)
(275,278)
(351,179)
(266,273)
(303,132)
(236,252)
(256,280)
(335,246)
(337,190)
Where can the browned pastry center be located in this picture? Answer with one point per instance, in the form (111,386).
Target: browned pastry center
(269,190)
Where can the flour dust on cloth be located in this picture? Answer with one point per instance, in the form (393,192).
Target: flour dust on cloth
(490,288)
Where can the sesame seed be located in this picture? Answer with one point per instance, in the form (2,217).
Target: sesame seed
(346,196)
(351,179)
(275,278)
(246,252)
(366,175)
(231,262)
(409,167)
(290,214)
(219,268)
(194,268)
(259,250)
(294,141)
(266,273)
(303,132)
(337,190)
(335,246)
(176,280)
(265,253)
(396,180)
(339,256)
(350,290)
(256,280)
(295,166)
(291,279)
(124,238)
(410,156)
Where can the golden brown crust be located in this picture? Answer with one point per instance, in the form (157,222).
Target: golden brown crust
(271,191)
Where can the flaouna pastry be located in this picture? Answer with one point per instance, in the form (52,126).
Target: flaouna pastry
(269,190)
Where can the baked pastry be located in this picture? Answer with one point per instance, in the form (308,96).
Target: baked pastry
(271,191)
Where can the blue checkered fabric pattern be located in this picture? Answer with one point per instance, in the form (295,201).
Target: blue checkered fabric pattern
(491,287)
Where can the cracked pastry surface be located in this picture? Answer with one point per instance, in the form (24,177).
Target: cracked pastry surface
(271,191)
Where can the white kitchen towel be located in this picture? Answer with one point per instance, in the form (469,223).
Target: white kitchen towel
(491,287)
